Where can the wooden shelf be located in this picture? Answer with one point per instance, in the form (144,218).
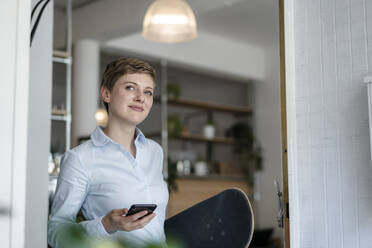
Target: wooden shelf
(213,177)
(239,110)
(60,54)
(60,115)
(59,112)
(61,57)
(195,137)
(201,138)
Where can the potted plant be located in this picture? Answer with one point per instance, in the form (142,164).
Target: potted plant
(247,149)
(174,126)
(209,129)
(201,167)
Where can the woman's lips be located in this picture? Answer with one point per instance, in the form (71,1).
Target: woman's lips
(135,108)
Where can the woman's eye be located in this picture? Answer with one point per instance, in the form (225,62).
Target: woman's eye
(129,87)
(148,93)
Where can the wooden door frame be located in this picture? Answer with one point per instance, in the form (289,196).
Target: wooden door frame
(284,124)
(288,114)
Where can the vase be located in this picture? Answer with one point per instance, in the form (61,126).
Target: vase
(209,131)
(201,168)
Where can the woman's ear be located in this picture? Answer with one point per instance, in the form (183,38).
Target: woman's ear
(105,94)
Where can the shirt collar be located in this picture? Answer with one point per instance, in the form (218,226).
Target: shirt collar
(99,138)
(140,137)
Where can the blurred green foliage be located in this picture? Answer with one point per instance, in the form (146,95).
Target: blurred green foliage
(74,236)
(173,90)
(247,149)
(174,125)
(172,176)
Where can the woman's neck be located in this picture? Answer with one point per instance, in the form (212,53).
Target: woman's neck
(122,134)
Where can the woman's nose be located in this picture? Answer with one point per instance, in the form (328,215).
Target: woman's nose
(139,96)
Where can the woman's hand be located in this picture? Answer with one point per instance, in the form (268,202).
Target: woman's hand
(115,221)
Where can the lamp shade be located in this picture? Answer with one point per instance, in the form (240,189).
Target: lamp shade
(169,21)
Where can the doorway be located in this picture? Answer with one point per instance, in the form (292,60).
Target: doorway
(277,113)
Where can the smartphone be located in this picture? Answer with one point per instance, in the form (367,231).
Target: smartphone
(135,208)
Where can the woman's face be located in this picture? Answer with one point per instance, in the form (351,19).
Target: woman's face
(131,98)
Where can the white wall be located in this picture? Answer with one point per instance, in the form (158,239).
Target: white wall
(267,127)
(207,52)
(85,88)
(14,65)
(39,131)
(333,173)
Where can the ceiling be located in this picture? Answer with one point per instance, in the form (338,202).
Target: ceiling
(60,4)
(251,21)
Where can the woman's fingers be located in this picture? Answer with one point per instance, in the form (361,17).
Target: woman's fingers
(142,222)
(116,220)
(145,220)
(121,211)
(139,220)
(138,215)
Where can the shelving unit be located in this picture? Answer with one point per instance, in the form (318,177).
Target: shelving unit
(214,178)
(65,58)
(196,137)
(209,107)
(63,115)
(201,138)
(237,110)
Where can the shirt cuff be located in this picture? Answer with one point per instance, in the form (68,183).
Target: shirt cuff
(95,228)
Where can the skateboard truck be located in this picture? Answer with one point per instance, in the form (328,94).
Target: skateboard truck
(280,215)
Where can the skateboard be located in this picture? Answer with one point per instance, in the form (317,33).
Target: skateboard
(224,220)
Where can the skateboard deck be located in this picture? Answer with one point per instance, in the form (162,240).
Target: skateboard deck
(224,220)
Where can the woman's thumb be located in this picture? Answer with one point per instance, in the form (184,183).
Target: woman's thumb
(124,211)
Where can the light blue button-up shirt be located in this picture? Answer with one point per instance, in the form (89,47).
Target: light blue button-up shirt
(101,175)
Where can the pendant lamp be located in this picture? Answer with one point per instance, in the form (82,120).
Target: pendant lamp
(169,21)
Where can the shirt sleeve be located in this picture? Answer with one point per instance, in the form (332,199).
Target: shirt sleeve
(70,194)
(159,158)
(161,215)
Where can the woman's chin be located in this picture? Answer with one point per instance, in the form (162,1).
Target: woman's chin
(135,121)
(132,120)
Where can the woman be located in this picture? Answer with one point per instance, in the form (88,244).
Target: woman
(117,167)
